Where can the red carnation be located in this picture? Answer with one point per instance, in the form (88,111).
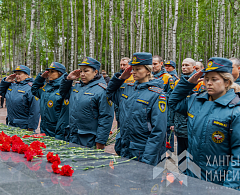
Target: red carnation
(29,155)
(22,149)
(168,145)
(66,170)
(5,147)
(49,156)
(55,168)
(15,147)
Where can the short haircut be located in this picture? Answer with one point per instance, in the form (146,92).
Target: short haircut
(158,57)
(236,61)
(103,71)
(192,61)
(126,58)
(201,64)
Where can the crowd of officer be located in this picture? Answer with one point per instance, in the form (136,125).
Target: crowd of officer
(152,103)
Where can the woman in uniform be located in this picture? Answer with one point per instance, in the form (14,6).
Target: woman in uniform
(91,114)
(22,107)
(54,109)
(213,123)
(143,111)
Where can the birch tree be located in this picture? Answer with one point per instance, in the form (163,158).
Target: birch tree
(84,30)
(122,29)
(170,36)
(221,29)
(111,35)
(29,60)
(150,26)
(101,40)
(196,32)
(38,68)
(72,38)
(175,31)
(63,37)
(216,31)
(91,43)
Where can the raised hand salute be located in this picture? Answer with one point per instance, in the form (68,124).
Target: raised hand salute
(10,78)
(74,75)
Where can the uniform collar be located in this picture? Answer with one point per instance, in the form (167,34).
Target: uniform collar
(57,81)
(155,82)
(173,73)
(224,100)
(97,79)
(188,76)
(26,81)
(163,71)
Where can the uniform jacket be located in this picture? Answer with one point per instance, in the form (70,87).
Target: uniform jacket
(143,118)
(51,106)
(210,139)
(22,107)
(91,114)
(238,80)
(168,88)
(174,75)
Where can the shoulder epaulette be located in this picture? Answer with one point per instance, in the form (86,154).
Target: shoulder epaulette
(155,89)
(102,85)
(30,84)
(130,84)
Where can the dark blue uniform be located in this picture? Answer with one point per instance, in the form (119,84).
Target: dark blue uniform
(143,118)
(90,113)
(54,107)
(22,106)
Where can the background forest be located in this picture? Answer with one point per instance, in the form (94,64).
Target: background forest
(37,32)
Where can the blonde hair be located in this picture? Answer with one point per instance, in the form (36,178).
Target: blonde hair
(228,77)
(149,68)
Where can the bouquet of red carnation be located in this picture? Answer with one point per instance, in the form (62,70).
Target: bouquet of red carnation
(65,170)
(5,147)
(51,158)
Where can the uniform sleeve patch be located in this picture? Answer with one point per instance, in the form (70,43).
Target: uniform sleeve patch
(122,87)
(57,93)
(162,106)
(9,89)
(155,89)
(102,85)
(125,96)
(30,84)
(110,103)
(20,91)
(143,101)
(171,83)
(162,97)
(220,124)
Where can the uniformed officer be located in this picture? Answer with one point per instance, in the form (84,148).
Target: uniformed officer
(199,66)
(22,107)
(54,108)
(124,64)
(143,110)
(213,123)
(170,67)
(91,113)
(159,72)
(236,69)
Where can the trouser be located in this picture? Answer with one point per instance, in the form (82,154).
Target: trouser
(171,140)
(2,101)
(182,144)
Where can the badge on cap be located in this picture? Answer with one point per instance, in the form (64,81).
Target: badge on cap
(50,103)
(135,60)
(168,62)
(218,137)
(18,68)
(85,61)
(52,65)
(162,106)
(209,66)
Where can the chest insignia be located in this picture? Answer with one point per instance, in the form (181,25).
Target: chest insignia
(218,137)
(142,101)
(220,124)
(125,96)
(20,91)
(50,104)
(162,106)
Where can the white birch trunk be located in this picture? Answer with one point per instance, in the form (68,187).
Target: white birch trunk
(84,29)
(76,38)
(170,32)
(138,27)
(221,33)
(111,35)
(38,69)
(29,60)
(101,41)
(72,38)
(216,31)
(91,43)
(175,32)
(131,31)
(122,28)
(235,30)
(196,32)
(142,24)
(63,37)
(150,27)
(93,26)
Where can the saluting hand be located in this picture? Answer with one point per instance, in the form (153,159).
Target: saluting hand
(10,78)
(74,75)
(45,74)
(195,79)
(126,74)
